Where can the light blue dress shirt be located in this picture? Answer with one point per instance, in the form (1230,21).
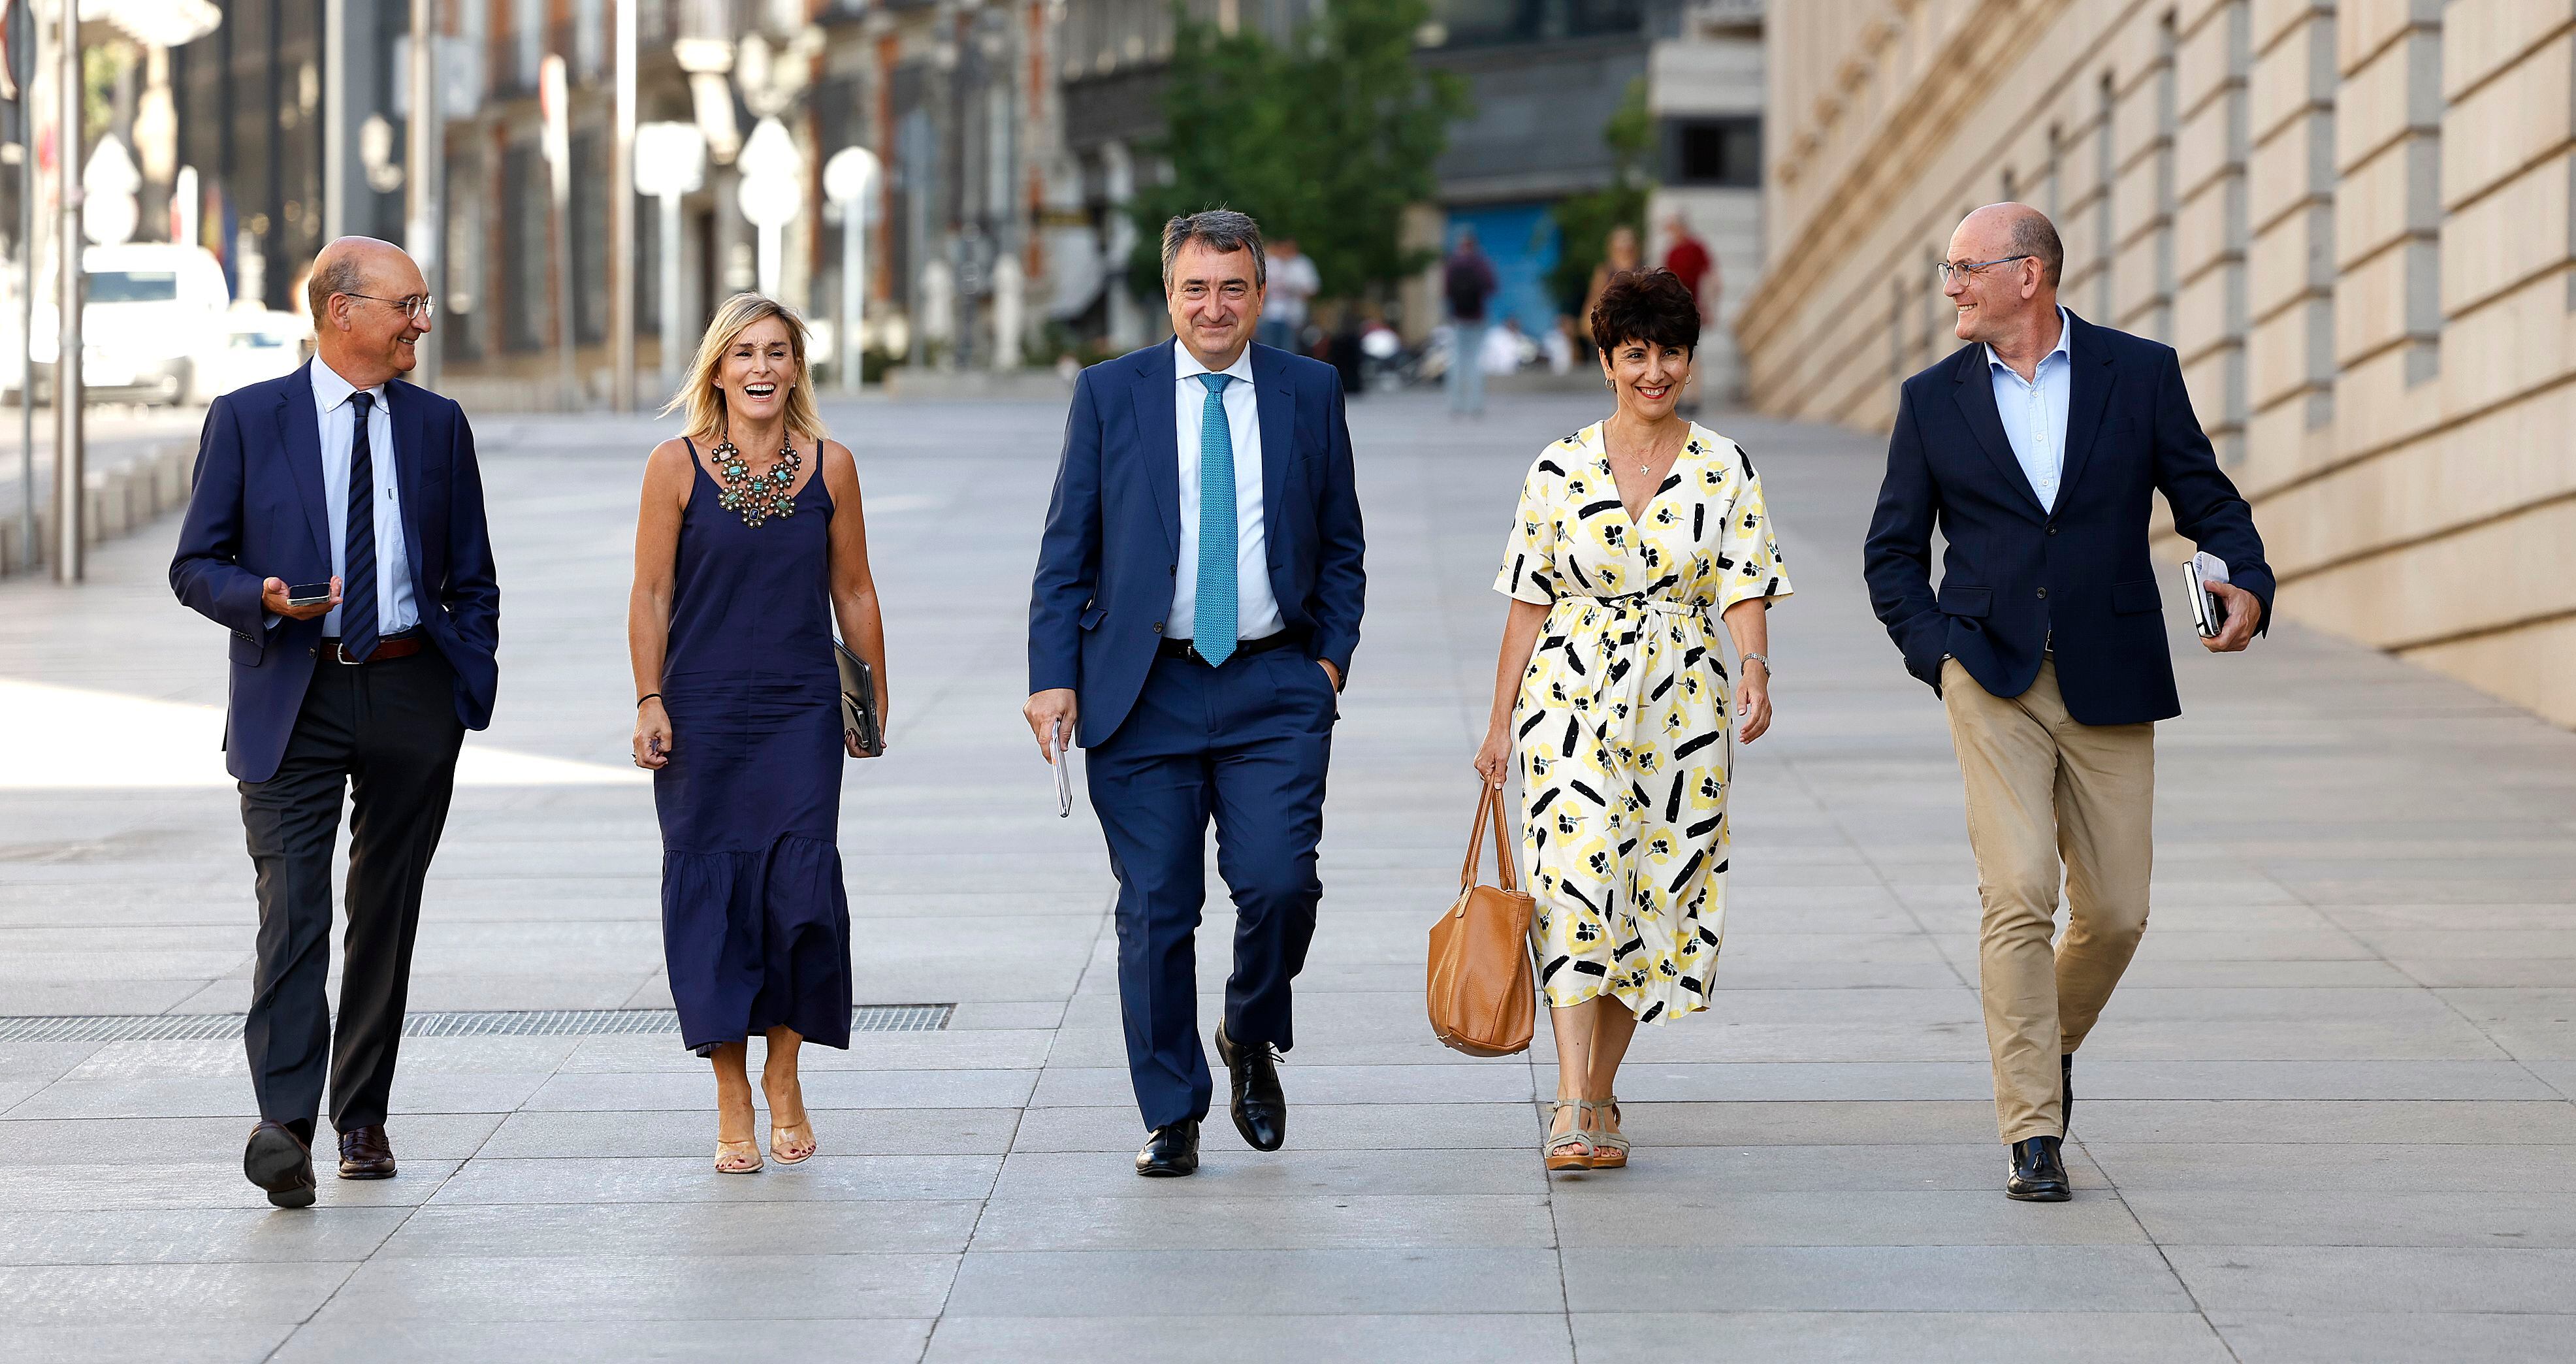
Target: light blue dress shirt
(339,419)
(2034,413)
(1256,611)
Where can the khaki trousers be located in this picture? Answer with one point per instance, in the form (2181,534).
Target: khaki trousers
(2042,788)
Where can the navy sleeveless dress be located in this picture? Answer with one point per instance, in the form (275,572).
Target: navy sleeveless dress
(755,920)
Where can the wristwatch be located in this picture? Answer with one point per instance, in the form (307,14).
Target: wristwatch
(1756,658)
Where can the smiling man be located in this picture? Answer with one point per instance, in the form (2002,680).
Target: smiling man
(1207,691)
(336,528)
(2036,450)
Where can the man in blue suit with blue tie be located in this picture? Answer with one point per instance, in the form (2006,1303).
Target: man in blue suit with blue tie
(341,474)
(1207,692)
(2036,451)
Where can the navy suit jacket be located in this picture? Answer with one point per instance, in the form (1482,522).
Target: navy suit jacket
(1096,617)
(258,512)
(2014,570)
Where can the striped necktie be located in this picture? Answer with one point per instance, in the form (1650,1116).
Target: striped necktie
(359,626)
(1213,632)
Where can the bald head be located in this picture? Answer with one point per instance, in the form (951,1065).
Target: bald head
(2011,230)
(361,328)
(357,265)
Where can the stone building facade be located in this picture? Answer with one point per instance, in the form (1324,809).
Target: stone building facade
(2352,218)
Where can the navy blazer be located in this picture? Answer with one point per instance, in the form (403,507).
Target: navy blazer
(1096,616)
(2014,571)
(258,511)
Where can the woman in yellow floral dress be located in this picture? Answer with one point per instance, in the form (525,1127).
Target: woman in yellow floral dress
(1632,534)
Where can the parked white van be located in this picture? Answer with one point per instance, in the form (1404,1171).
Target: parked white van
(156,327)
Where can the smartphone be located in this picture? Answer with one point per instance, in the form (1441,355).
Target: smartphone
(2208,614)
(308,594)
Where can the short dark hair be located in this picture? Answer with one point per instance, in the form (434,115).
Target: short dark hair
(1652,306)
(2034,235)
(1224,231)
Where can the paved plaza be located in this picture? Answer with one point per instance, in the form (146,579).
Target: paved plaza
(2328,1117)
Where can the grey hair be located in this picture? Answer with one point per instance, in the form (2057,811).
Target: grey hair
(2034,235)
(344,273)
(1224,231)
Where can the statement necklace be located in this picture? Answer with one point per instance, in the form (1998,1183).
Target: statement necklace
(757,497)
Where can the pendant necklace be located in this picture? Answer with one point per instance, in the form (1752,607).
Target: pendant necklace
(756,497)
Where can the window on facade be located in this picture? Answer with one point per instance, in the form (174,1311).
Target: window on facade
(525,242)
(589,209)
(1471,23)
(1713,152)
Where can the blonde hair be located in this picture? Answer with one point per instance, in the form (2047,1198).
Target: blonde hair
(705,403)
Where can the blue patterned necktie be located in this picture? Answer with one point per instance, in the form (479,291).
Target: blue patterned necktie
(358,624)
(1213,632)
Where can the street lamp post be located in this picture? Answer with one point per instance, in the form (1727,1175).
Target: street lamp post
(552,97)
(670,161)
(621,220)
(771,194)
(22,73)
(849,181)
(68,499)
(425,150)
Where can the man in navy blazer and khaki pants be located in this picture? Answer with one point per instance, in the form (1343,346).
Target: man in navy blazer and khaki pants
(341,472)
(1197,601)
(2036,451)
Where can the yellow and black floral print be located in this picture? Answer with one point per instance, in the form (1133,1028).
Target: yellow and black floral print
(1624,714)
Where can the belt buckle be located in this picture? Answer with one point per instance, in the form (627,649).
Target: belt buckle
(340,653)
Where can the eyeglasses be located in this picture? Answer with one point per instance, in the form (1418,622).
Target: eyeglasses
(1945,271)
(418,307)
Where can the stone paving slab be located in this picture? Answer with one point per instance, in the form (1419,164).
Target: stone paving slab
(2327,1118)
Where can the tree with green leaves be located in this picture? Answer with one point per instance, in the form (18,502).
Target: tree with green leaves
(1584,221)
(1327,139)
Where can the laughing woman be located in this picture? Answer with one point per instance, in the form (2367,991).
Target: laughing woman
(1631,533)
(749,545)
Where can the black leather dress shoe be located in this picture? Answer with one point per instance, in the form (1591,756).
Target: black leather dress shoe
(1172,1151)
(1259,1106)
(2066,1091)
(2038,1172)
(280,1162)
(366,1154)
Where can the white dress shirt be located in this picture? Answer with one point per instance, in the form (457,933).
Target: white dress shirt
(331,393)
(2034,412)
(1256,611)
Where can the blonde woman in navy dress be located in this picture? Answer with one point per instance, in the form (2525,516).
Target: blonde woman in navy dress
(749,546)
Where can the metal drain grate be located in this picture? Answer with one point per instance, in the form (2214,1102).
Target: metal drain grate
(465,1023)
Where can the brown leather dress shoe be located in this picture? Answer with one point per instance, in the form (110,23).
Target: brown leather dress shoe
(279,1161)
(365,1154)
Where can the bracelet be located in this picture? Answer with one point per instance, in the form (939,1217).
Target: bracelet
(1755,658)
(648,696)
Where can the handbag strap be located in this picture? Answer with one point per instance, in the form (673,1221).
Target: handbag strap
(1489,814)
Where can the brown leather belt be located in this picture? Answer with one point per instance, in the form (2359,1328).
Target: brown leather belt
(400,646)
(1243,648)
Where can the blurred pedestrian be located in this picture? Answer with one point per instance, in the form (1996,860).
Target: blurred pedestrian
(337,529)
(1293,283)
(749,547)
(2043,423)
(1196,692)
(1688,259)
(1631,533)
(1467,282)
(1619,255)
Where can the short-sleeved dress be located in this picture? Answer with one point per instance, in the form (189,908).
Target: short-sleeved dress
(1623,716)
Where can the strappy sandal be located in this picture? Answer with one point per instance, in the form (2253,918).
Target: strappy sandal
(1571,1149)
(780,1153)
(731,1154)
(1609,1149)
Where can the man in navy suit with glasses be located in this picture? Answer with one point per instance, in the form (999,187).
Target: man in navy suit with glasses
(1197,601)
(341,474)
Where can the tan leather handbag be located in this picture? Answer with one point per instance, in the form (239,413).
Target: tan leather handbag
(1480,990)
